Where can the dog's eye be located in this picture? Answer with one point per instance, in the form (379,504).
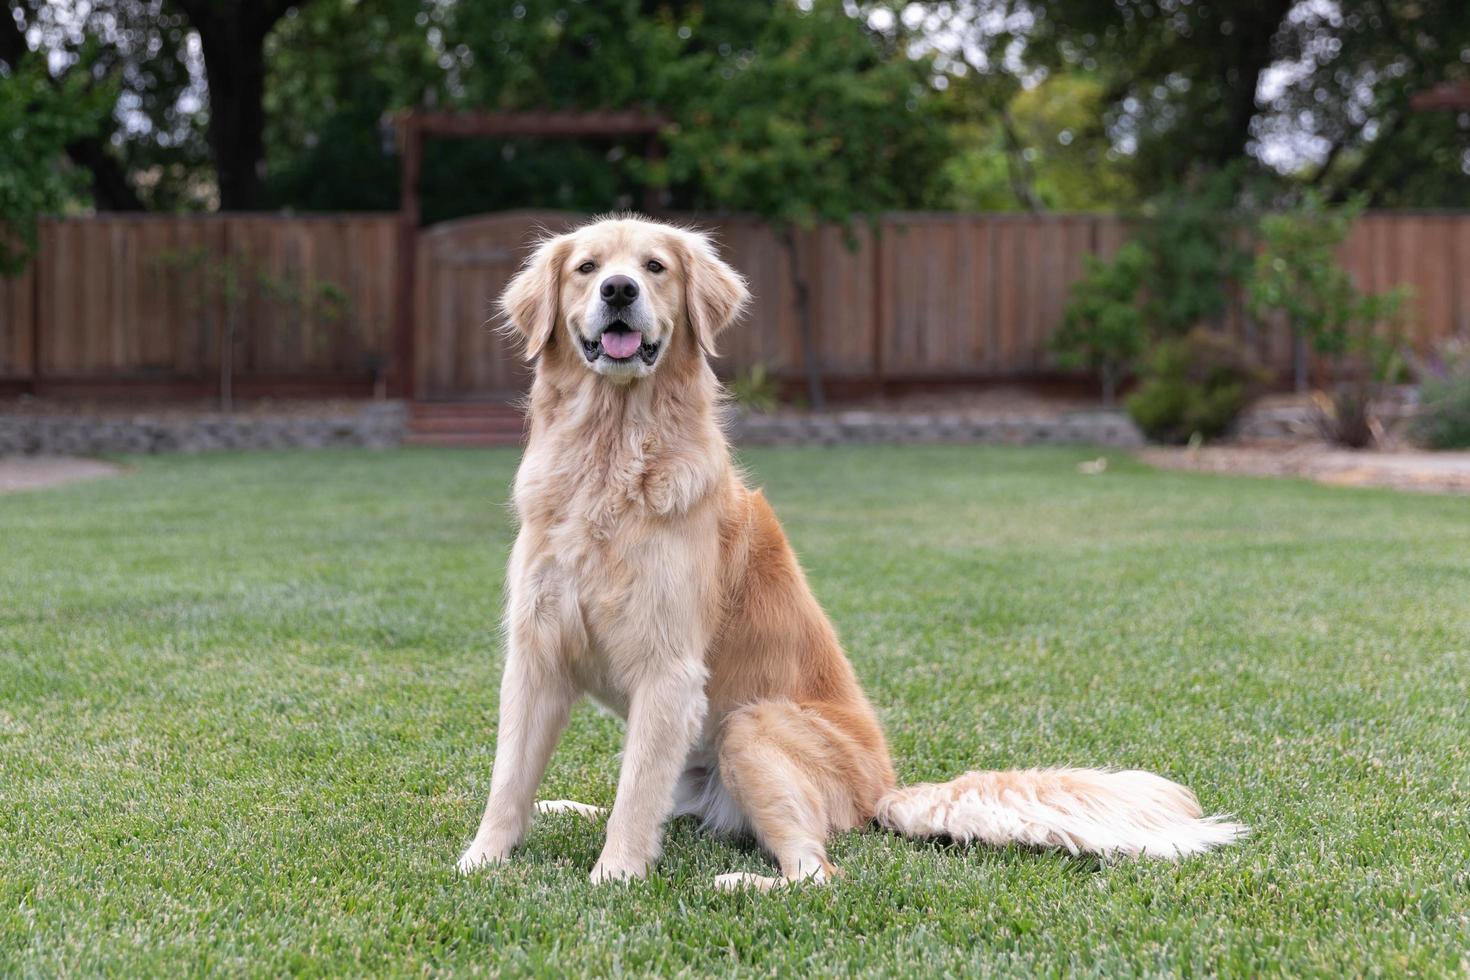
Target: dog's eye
(586,267)
(654,265)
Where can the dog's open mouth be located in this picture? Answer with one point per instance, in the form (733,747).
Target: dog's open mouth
(620,342)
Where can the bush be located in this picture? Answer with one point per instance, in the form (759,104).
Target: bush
(1297,274)
(1103,328)
(1443,420)
(1198,383)
(1197,237)
(754,390)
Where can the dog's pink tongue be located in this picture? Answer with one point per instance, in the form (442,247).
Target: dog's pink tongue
(622,344)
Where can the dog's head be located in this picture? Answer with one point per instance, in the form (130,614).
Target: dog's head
(620,296)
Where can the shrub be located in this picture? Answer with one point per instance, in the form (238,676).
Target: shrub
(754,390)
(1297,273)
(1197,237)
(1103,328)
(1195,384)
(1443,420)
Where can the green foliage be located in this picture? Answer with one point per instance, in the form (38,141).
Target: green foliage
(1184,84)
(754,389)
(1047,147)
(135,53)
(38,118)
(1443,419)
(1195,384)
(1104,328)
(815,124)
(1297,273)
(1197,237)
(338,65)
(1176,275)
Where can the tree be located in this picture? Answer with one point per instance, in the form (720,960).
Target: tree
(1317,91)
(1199,239)
(1355,67)
(112,64)
(39,119)
(1298,274)
(1104,328)
(816,124)
(336,66)
(1044,148)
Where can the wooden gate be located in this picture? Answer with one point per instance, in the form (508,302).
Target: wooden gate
(462,352)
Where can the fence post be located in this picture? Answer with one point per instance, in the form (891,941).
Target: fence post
(36,261)
(875,241)
(408,232)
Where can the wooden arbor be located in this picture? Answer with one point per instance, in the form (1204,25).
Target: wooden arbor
(1447,95)
(414,126)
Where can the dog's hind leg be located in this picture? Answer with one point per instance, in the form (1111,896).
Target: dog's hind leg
(796,777)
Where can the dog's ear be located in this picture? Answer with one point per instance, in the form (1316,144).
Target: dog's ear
(530,301)
(714,294)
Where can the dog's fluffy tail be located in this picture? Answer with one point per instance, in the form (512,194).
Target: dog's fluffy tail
(1088,811)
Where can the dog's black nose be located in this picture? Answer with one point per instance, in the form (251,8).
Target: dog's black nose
(619,291)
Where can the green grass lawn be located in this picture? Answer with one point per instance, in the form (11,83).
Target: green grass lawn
(247,715)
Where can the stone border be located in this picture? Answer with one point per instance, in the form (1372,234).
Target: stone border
(385,424)
(377,425)
(1098,428)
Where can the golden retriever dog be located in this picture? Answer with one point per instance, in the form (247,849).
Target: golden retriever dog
(648,575)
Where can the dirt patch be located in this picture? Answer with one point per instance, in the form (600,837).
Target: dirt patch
(39,472)
(1417,471)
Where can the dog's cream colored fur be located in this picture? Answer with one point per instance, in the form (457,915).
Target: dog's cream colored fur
(648,575)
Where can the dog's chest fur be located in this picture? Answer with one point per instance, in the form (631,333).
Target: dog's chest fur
(620,533)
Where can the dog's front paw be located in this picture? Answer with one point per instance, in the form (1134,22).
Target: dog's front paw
(481,854)
(608,870)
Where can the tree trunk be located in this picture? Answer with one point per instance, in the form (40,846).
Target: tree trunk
(1299,365)
(227,363)
(1109,387)
(232,36)
(811,357)
(1253,53)
(110,188)
(236,70)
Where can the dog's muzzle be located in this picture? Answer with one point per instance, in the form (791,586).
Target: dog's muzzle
(620,344)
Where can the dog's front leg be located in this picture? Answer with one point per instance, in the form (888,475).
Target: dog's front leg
(535,700)
(664,718)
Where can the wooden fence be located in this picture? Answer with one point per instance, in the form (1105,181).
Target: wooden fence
(130,304)
(142,303)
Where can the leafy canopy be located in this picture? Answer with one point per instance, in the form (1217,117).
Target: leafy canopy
(38,118)
(815,124)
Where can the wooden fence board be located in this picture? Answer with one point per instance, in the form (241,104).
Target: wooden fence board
(16,320)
